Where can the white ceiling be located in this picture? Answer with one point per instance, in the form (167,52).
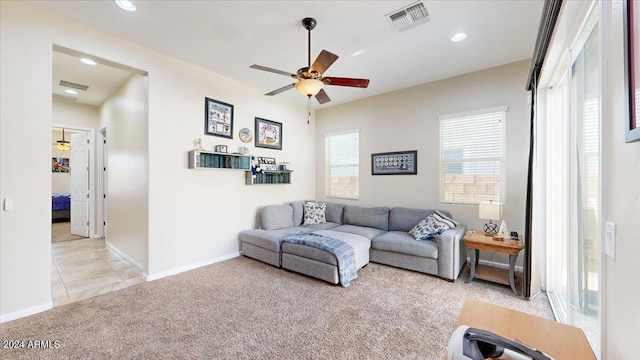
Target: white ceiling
(228,36)
(102,79)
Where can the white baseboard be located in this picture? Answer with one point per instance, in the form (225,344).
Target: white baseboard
(495,264)
(190,267)
(135,264)
(26,312)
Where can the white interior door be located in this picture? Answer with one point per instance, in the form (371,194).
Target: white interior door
(80,192)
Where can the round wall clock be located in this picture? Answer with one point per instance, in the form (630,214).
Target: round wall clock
(246,135)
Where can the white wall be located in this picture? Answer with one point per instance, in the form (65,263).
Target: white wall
(408,120)
(125,115)
(193,216)
(622,202)
(74,115)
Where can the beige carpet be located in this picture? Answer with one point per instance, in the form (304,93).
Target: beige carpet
(61,231)
(244,309)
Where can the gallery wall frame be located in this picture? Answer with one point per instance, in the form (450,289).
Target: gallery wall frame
(395,163)
(632,68)
(268,134)
(218,118)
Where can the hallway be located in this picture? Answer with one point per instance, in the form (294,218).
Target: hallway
(84,268)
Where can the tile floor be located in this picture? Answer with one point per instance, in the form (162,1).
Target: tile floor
(84,268)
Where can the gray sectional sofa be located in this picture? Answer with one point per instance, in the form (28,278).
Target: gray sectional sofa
(377,234)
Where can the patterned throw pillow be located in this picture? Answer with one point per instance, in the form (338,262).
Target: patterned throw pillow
(314,213)
(444,220)
(426,228)
(431,226)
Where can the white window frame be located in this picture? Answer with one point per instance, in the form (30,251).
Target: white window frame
(502,188)
(329,167)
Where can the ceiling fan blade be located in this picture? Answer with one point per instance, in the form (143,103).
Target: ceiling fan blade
(340,81)
(282,89)
(264,68)
(322,97)
(322,63)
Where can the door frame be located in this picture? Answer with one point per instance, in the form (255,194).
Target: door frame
(92,179)
(101,201)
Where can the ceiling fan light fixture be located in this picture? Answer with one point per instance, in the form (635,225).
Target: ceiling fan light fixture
(309,87)
(64,146)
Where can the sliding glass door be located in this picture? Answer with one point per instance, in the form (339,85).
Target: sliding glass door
(573,187)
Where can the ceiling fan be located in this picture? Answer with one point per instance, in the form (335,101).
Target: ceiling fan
(310,79)
(63,144)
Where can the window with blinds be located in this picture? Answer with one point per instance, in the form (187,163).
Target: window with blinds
(472,156)
(343,164)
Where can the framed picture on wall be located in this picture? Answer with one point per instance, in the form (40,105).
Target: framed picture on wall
(395,163)
(59,165)
(218,118)
(632,68)
(268,134)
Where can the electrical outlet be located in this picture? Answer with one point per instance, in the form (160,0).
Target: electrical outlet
(610,240)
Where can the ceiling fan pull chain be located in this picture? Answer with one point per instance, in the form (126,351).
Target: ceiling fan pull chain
(308,108)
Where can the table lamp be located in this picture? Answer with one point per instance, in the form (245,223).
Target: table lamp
(490,210)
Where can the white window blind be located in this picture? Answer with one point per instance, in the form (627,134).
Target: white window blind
(343,164)
(472,157)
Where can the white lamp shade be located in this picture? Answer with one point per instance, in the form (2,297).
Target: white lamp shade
(490,210)
(309,87)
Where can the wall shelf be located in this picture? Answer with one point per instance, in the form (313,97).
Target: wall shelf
(199,159)
(269,177)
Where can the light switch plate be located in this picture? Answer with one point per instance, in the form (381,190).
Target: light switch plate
(8,204)
(610,240)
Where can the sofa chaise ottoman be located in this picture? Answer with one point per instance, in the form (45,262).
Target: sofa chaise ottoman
(377,234)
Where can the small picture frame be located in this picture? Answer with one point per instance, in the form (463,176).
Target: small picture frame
(268,134)
(395,163)
(218,118)
(221,148)
(267,163)
(60,165)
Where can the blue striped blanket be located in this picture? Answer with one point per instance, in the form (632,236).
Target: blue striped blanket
(343,251)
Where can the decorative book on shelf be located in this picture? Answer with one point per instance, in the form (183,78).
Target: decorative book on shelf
(269,177)
(199,159)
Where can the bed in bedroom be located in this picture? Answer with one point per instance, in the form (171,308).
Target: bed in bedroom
(60,207)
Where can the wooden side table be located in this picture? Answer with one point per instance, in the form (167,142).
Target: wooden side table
(562,342)
(478,241)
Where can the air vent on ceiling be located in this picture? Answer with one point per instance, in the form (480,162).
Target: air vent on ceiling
(73,85)
(409,17)
(65,98)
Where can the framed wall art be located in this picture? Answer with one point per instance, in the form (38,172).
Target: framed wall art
(267,163)
(218,118)
(60,165)
(268,134)
(395,163)
(632,68)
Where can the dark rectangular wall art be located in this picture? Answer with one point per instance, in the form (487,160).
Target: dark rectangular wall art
(218,118)
(395,163)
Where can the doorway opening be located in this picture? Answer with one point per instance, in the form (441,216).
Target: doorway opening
(83,264)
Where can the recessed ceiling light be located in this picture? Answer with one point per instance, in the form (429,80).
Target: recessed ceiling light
(125,5)
(88,61)
(356,53)
(72,92)
(458,37)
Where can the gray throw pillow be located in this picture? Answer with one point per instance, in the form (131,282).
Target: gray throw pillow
(277,217)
